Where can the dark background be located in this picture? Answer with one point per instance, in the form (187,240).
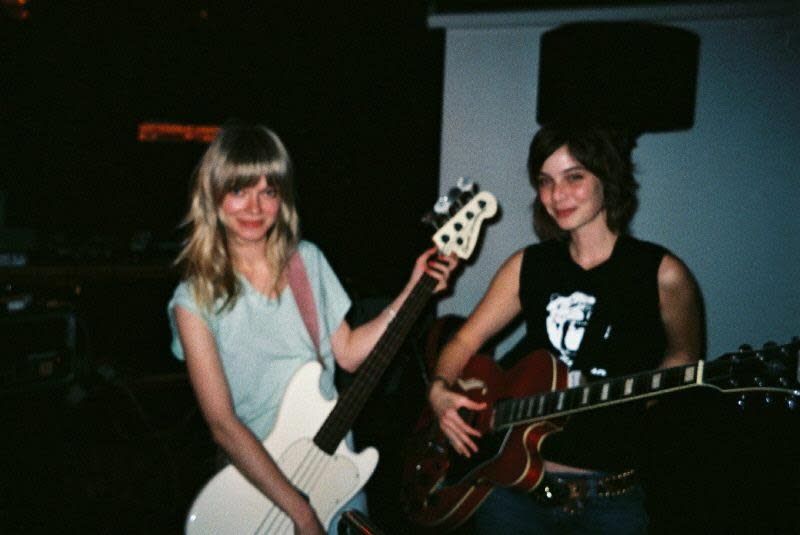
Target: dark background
(100,430)
(354,91)
(108,439)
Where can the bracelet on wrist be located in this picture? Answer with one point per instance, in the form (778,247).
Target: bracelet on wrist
(436,379)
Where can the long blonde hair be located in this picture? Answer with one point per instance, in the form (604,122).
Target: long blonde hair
(237,158)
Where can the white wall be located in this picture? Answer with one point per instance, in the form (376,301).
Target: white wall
(724,196)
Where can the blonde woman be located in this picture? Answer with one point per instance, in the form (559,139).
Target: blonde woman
(234,321)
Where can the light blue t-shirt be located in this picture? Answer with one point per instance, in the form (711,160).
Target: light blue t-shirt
(262,341)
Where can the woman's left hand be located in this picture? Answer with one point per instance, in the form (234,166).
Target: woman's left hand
(436,265)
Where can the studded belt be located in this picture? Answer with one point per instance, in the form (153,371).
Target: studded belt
(570,491)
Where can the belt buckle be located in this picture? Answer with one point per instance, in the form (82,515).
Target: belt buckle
(566,495)
(573,503)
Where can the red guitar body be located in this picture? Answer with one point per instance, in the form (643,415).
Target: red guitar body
(442,488)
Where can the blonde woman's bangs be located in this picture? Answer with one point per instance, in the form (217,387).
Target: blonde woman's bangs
(244,170)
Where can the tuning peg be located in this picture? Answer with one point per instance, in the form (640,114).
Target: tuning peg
(456,201)
(431,219)
(467,188)
(465,183)
(442,205)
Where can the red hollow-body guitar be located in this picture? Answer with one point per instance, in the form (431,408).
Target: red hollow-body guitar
(529,401)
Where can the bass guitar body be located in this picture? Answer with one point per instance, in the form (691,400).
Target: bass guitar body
(229,503)
(443,488)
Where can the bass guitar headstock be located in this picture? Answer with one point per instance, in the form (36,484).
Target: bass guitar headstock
(458,217)
(773,370)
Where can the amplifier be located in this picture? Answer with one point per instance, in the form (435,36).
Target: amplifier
(37,349)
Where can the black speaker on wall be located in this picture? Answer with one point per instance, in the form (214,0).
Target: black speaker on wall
(638,76)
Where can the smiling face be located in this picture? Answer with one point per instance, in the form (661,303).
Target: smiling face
(249,213)
(570,193)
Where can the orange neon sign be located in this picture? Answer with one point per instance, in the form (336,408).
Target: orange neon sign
(176,133)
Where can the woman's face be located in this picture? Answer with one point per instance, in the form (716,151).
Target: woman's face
(571,194)
(250,212)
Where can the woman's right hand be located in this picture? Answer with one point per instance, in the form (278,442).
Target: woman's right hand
(445,404)
(307,523)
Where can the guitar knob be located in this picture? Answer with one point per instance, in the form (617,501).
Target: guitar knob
(759,381)
(791,402)
(768,400)
(733,381)
(741,402)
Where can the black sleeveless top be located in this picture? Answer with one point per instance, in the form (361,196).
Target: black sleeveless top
(605,322)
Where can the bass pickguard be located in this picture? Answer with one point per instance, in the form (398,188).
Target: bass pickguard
(325,479)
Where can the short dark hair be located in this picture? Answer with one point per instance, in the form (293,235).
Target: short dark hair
(605,152)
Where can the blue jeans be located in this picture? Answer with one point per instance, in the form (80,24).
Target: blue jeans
(510,511)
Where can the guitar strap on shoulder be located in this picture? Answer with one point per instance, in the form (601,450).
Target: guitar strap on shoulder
(304,297)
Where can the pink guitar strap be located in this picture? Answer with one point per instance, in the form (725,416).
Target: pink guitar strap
(304,297)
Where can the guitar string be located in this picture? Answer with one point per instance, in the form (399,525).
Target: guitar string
(311,467)
(512,411)
(307,464)
(314,476)
(316,466)
(273,513)
(356,394)
(405,323)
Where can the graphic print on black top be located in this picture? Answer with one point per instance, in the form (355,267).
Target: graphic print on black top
(567,320)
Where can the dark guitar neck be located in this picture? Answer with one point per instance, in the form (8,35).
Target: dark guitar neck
(512,412)
(350,403)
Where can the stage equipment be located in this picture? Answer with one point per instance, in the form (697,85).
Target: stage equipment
(638,76)
(38,349)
